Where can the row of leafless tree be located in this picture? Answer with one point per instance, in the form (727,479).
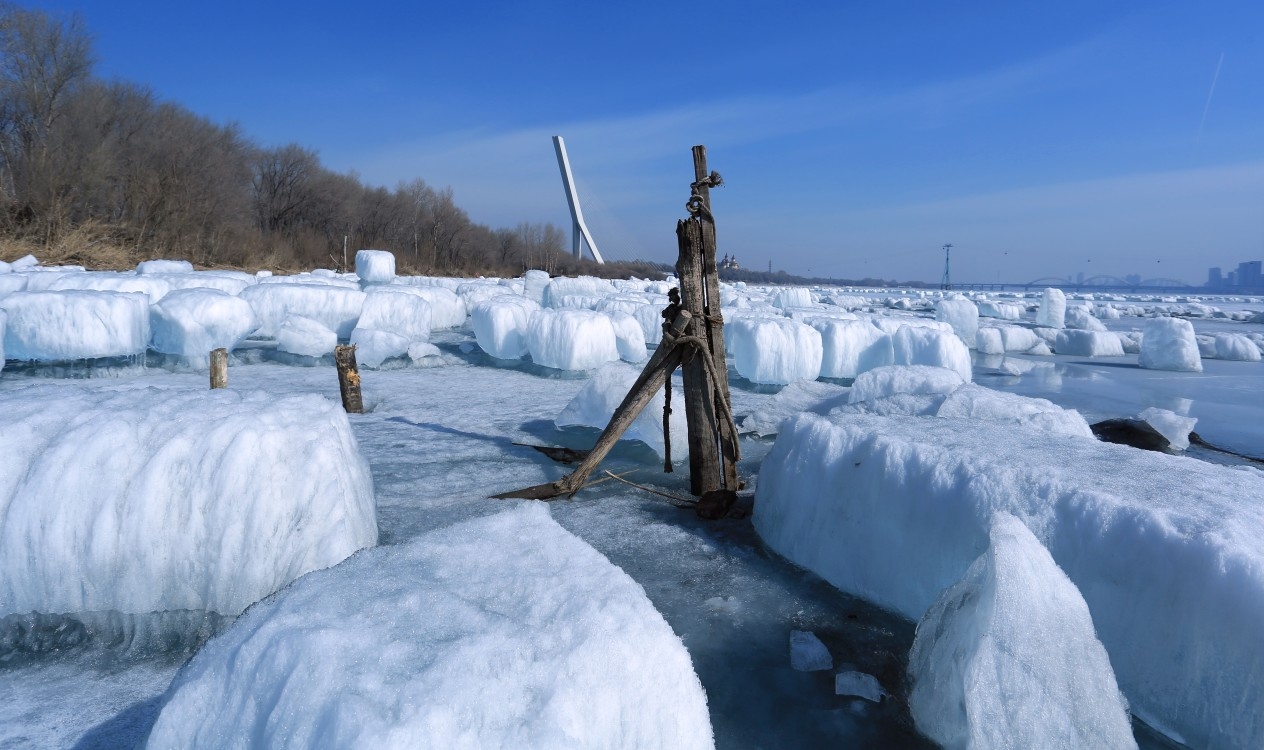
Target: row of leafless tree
(82,155)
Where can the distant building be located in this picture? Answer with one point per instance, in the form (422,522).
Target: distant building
(1214,279)
(1249,274)
(729,262)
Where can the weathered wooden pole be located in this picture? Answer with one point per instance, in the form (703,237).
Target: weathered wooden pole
(219,368)
(730,452)
(712,437)
(348,379)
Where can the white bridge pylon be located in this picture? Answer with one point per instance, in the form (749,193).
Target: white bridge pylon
(579,230)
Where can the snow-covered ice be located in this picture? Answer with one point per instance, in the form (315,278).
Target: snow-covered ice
(915,345)
(601,395)
(962,315)
(1169,344)
(375,266)
(148,500)
(1007,657)
(1236,346)
(628,337)
(1052,310)
(1164,549)
(336,308)
(164,266)
(447,310)
(571,339)
(503,631)
(306,337)
(71,325)
(401,310)
(774,350)
(850,347)
(375,347)
(500,325)
(1085,343)
(1169,424)
(192,322)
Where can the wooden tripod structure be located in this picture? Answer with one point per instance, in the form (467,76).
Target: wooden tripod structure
(693,340)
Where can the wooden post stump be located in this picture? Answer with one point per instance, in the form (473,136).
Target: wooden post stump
(219,368)
(348,379)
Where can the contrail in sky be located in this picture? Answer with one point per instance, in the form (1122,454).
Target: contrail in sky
(1210,93)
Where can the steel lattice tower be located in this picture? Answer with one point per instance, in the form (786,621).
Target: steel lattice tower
(946,284)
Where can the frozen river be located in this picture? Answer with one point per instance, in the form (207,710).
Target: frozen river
(439,440)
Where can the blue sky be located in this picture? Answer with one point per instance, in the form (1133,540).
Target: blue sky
(1041,139)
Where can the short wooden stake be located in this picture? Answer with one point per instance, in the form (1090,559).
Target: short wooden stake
(349,379)
(219,368)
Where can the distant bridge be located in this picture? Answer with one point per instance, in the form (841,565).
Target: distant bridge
(1091,284)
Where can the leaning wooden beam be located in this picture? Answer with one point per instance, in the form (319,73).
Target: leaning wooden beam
(666,359)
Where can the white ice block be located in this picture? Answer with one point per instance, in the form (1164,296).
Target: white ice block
(52,326)
(335,307)
(500,325)
(936,348)
(1052,312)
(1082,343)
(306,337)
(375,266)
(962,315)
(192,322)
(142,501)
(601,395)
(401,310)
(775,350)
(571,339)
(1169,344)
(1007,657)
(850,347)
(445,650)
(1164,549)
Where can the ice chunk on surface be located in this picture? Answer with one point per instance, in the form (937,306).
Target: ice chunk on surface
(447,310)
(306,337)
(1082,343)
(375,266)
(148,500)
(962,315)
(164,266)
(571,339)
(1170,425)
(858,685)
(917,380)
(601,395)
(629,337)
(1007,657)
(850,347)
(1169,344)
(448,651)
(337,308)
(375,347)
(775,350)
(500,325)
(1235,346)
(53,326)
(807,653)
(1052,311)
(926,346)
(1164,549)
(401,310)
(192,322)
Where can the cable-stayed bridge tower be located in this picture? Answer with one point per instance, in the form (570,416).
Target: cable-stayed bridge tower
(579,230)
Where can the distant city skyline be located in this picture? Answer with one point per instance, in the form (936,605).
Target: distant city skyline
(855,140)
